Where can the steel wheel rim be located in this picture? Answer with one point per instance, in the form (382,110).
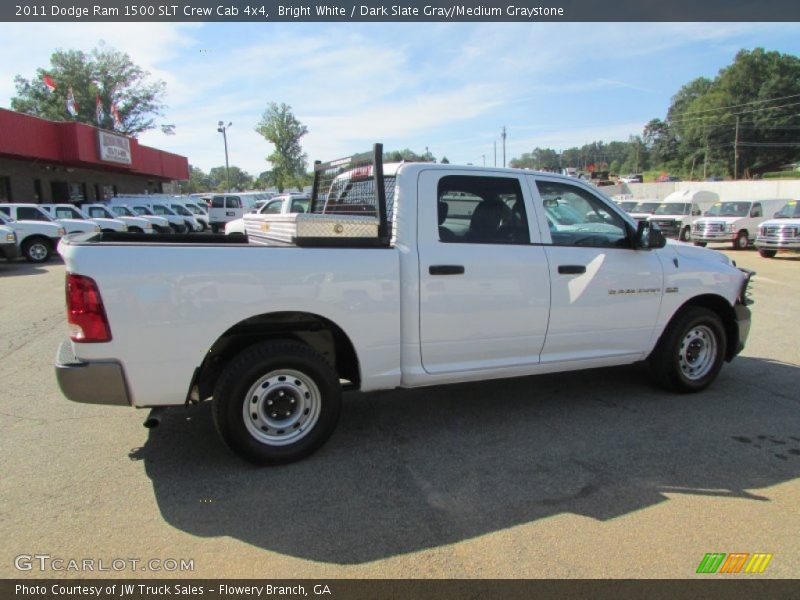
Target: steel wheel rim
(37,252)
(274,395)
(698,352)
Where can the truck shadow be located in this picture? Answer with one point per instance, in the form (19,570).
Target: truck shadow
(15,268)
(409,470)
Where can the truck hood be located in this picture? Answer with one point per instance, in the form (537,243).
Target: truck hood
(74,225)
(49,229)
(781,223)
(698,253)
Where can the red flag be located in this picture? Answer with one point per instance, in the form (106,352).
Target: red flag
(49,83)
(72,106)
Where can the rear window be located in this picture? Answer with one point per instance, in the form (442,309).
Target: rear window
(234,202)
(218,202)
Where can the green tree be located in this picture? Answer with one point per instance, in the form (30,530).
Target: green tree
(199,181)
(408,155)
(445,161)
(104,72)
(236,179)
(281,128)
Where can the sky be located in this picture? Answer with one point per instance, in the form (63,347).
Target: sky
(448,87)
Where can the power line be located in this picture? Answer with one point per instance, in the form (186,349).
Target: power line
(745,112)
(738,105)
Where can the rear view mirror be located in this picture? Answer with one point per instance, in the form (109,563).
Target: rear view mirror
(649,235)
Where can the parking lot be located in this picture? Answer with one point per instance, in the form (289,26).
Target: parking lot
(590,474)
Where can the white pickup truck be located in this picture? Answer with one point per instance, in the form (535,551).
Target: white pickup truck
(474,274)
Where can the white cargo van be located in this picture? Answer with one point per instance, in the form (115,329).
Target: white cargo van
(228,207)
(679,210)
(733,221)
(780,233)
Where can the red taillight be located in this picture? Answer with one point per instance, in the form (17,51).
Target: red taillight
(85,313)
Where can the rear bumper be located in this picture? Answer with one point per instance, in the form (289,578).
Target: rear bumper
(9,251)
(93,382)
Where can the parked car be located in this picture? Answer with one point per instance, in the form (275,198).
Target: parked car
(733,221)
(34,212)
(64,212)
(781,232)
(667,178)
(455,274)
(284,204)
(37,239)
(679,210)
(98,212)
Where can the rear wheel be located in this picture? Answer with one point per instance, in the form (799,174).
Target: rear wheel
(214,228)
(685,234)
(741,242)
(37,249)
(767,253)
(276,402)
(690,353)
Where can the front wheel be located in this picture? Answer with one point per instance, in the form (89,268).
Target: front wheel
(686,234)
(276,402)
(689,355)
(36,250)
(741,242)
(767,253)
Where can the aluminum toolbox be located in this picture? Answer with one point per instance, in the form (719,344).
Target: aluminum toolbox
(305,229)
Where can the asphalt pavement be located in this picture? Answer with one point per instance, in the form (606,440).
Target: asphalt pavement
(589,474)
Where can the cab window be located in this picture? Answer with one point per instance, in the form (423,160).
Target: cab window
(233,202)
(576,217)
(481,210)
(30,214)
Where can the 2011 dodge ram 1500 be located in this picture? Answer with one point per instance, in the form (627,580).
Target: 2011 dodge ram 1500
(476,273)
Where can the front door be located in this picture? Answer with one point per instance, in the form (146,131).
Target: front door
(606,295)
(484,286)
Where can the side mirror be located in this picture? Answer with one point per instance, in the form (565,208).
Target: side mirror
(648,235)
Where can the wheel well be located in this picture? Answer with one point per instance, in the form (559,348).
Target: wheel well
(38,237)
(720,306)
(319,333)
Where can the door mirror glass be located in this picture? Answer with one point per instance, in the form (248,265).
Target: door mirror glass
(648,235)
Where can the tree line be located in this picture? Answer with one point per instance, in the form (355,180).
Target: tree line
(742,123)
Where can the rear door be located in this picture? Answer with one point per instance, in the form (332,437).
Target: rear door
(606,295)
(484,282)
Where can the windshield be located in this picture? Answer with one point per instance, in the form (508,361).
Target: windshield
(160,209)
(142,210)
(791,209)
(646,207)
(196,209)
(673,208)
(122,211)
(729,209)
(96,212)
(181,210)
(67,212)
(628,206)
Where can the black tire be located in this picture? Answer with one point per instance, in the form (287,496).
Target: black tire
(741,242)
(682,349)
(175,228)
(214,228)
(37,249)
(252,381)
(685,235)
(767,253)
(701,244)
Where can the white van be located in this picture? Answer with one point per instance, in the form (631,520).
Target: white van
(227,207)
(34,212)
(679,210)
(780,233)
(733,221)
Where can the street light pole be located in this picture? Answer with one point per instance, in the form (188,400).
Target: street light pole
(222,128)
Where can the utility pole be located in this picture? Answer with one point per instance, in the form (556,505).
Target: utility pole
(484,159)
(705,159)
(223,129)
(736,151)
(495,153)
(504,146)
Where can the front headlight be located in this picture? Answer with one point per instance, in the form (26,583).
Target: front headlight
(62,231)
(11,238)
(124,228)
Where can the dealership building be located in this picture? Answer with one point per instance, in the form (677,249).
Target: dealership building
(52,161)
